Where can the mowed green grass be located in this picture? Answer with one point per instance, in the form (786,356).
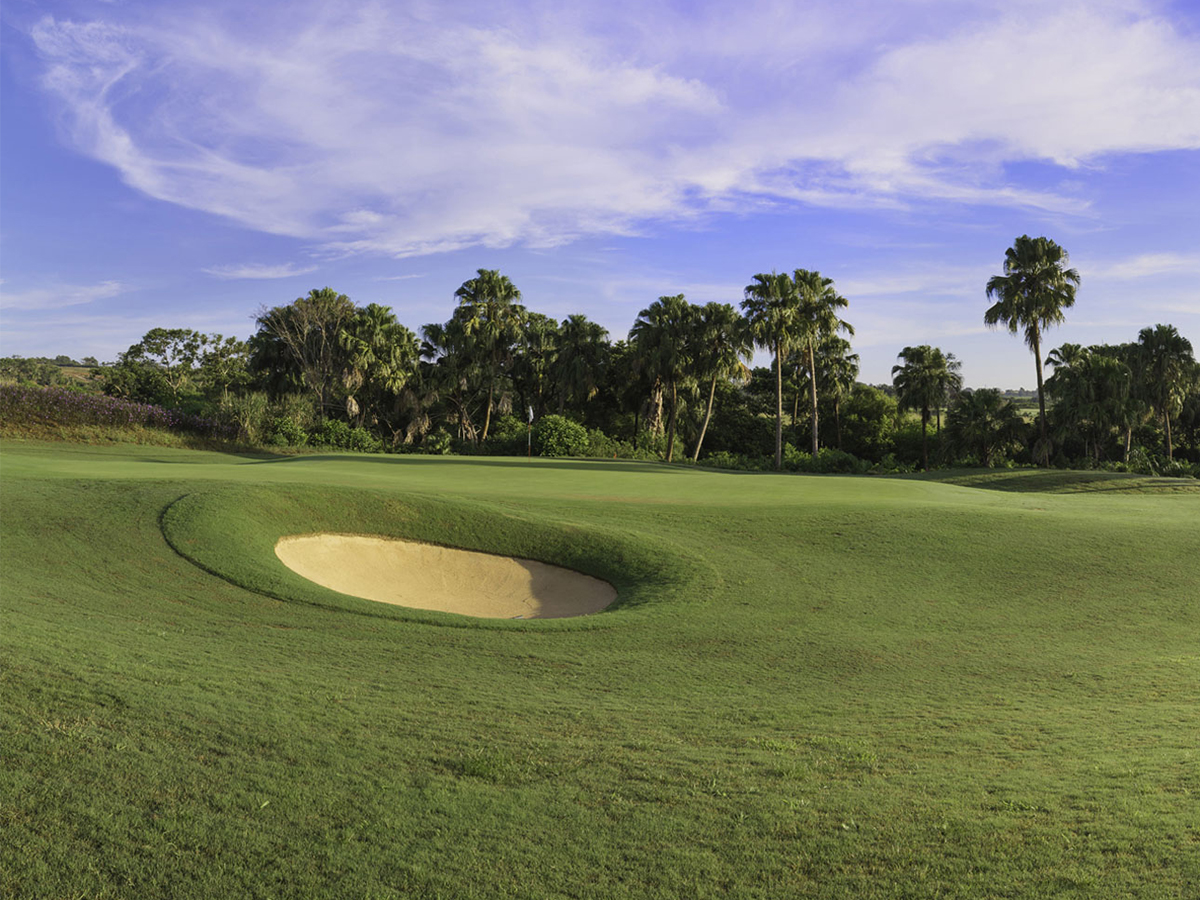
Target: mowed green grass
(811,686)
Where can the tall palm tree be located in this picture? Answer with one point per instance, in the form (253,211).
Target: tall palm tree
(1168,371)
(920,385)
(819,305)
(1031,294)
(722,346)
(489,310)
(772,310)
(660,339)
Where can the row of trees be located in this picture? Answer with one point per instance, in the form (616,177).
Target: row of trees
(681,376)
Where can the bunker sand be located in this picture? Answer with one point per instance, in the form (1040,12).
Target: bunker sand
(424,576)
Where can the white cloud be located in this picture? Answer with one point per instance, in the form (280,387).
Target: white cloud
(59,296)
(258,271)
(414,132)
(1146,265)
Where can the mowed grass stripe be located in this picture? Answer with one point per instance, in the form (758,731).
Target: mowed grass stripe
(895,689)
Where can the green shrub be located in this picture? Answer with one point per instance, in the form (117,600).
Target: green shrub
(363,441)
(796,460)
(559,436)
(889,465)
(508,437)
(603,446)
(723,459)
(249,413)
(438,443)
(1140,462)
(338,434)
(332,433)
(285,431)
(838,462)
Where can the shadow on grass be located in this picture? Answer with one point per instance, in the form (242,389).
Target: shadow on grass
(1060,481)
(605,465)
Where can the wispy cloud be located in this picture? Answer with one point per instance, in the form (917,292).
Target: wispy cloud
(1147,265)
(258,271)
(400,132)
(59,296)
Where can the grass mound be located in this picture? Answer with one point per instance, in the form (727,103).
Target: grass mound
(232,532)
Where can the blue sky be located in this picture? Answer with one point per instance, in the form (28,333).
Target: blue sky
(184,165)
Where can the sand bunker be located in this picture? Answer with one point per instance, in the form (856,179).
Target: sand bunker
(423,576)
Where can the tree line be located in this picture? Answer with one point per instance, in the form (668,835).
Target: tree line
(324,369)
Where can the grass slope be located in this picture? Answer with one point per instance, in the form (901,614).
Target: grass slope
(829,687)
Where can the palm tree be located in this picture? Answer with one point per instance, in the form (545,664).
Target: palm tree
(837,371)
(535,361)
(1092,397)
(582,359)
(951,383)
(1031,295)
(1168,370)
(489,310)
(660,339)
(449,377)
(983,423)
(772,309)
(1066,356)
(721,346)
(381,355)
(920,385)
(819,305)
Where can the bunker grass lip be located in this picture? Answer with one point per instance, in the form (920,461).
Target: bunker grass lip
(235,531)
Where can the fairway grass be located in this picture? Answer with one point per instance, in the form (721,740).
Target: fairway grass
(810,686)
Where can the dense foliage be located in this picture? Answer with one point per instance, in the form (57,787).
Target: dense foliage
(323,371)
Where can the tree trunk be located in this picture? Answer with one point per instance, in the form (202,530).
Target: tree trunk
(712,393)
(671,423)
(487,416)
(812,392)
(778,406)
(924,438)
(796,412)
(1167,419)
(1037,357)
(837,420)
(1128,442)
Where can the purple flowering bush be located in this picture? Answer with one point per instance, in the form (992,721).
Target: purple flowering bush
(53,407)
